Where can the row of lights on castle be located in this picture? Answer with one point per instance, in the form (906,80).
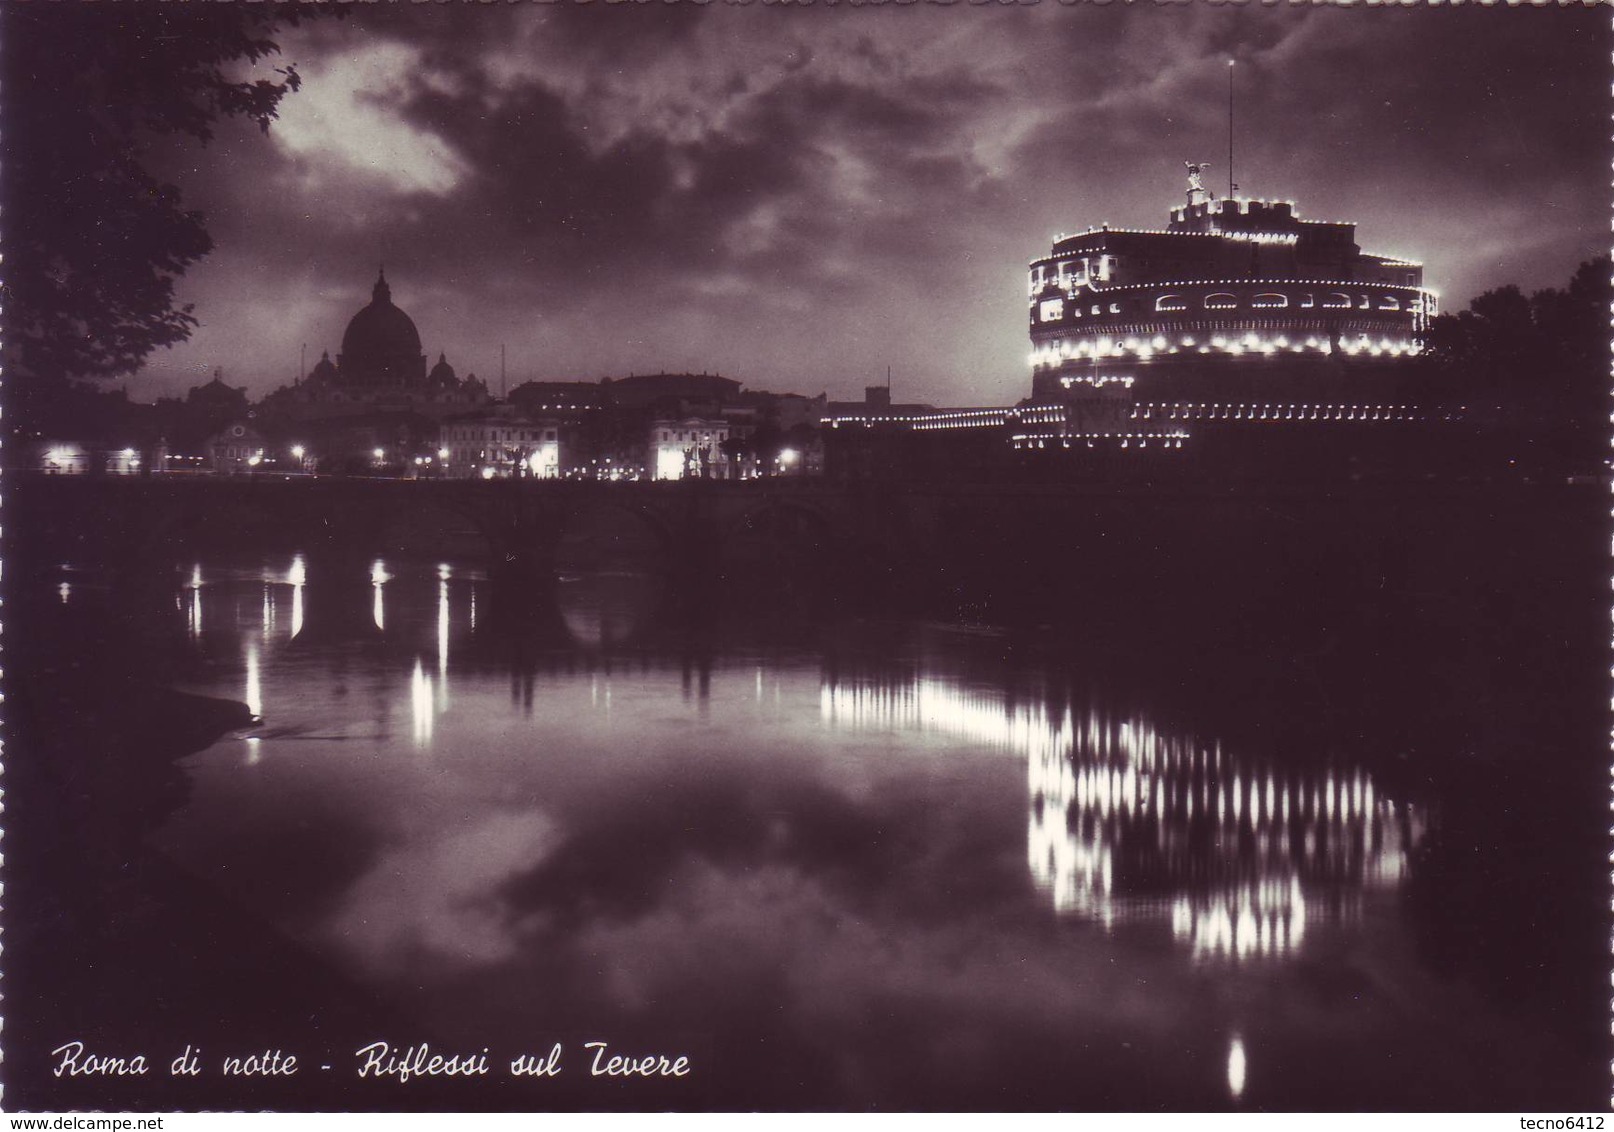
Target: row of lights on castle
(1249,343)
(1272,412)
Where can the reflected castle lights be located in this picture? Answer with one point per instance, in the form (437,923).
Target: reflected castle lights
(1250,857)
(1125,821)
(930,704)
(1241,860)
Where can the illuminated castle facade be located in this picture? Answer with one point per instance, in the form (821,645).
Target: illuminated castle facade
(1246,282)
(1263,343)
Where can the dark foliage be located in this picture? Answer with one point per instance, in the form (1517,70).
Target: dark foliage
(1535,369)
(94,241)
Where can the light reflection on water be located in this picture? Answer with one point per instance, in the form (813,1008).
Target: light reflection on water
(602,822)
(443,575)
(296,578)
(253,695)
(1123,822)
(1236,1066)
(1127,822)
(422,710)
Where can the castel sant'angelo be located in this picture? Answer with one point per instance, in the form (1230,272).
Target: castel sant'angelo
(1232,280)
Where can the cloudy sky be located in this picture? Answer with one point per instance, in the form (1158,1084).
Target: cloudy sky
(798,198)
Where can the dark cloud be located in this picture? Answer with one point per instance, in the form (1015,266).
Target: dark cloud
(802,198)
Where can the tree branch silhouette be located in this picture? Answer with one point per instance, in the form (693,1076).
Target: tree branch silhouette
(94,241)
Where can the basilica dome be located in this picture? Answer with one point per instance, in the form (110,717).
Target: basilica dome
(381,341)
(442,374)
(324,370)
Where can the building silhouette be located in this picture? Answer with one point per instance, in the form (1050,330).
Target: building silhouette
(380,368)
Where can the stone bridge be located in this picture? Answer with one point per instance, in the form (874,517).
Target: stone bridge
(695,534)
(519,525)
(1093,554)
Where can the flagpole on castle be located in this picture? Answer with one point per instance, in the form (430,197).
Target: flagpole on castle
(1231,187)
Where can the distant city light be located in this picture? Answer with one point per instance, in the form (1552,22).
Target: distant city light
(297,451)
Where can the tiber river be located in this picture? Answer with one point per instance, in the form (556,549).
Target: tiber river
(869,864)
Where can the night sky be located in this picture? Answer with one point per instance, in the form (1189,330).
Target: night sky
(798,198)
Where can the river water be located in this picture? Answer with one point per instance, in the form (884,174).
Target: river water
(849,862)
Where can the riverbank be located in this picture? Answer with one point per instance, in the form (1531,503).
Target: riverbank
(109,943)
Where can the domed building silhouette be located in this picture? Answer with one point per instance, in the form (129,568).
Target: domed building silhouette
(325,370)
(381,368)
(442,375)
(381,346)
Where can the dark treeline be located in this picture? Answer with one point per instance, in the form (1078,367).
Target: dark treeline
(96,237)
(1534,370)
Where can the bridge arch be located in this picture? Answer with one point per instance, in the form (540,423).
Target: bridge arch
(781,538)
(603,530)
